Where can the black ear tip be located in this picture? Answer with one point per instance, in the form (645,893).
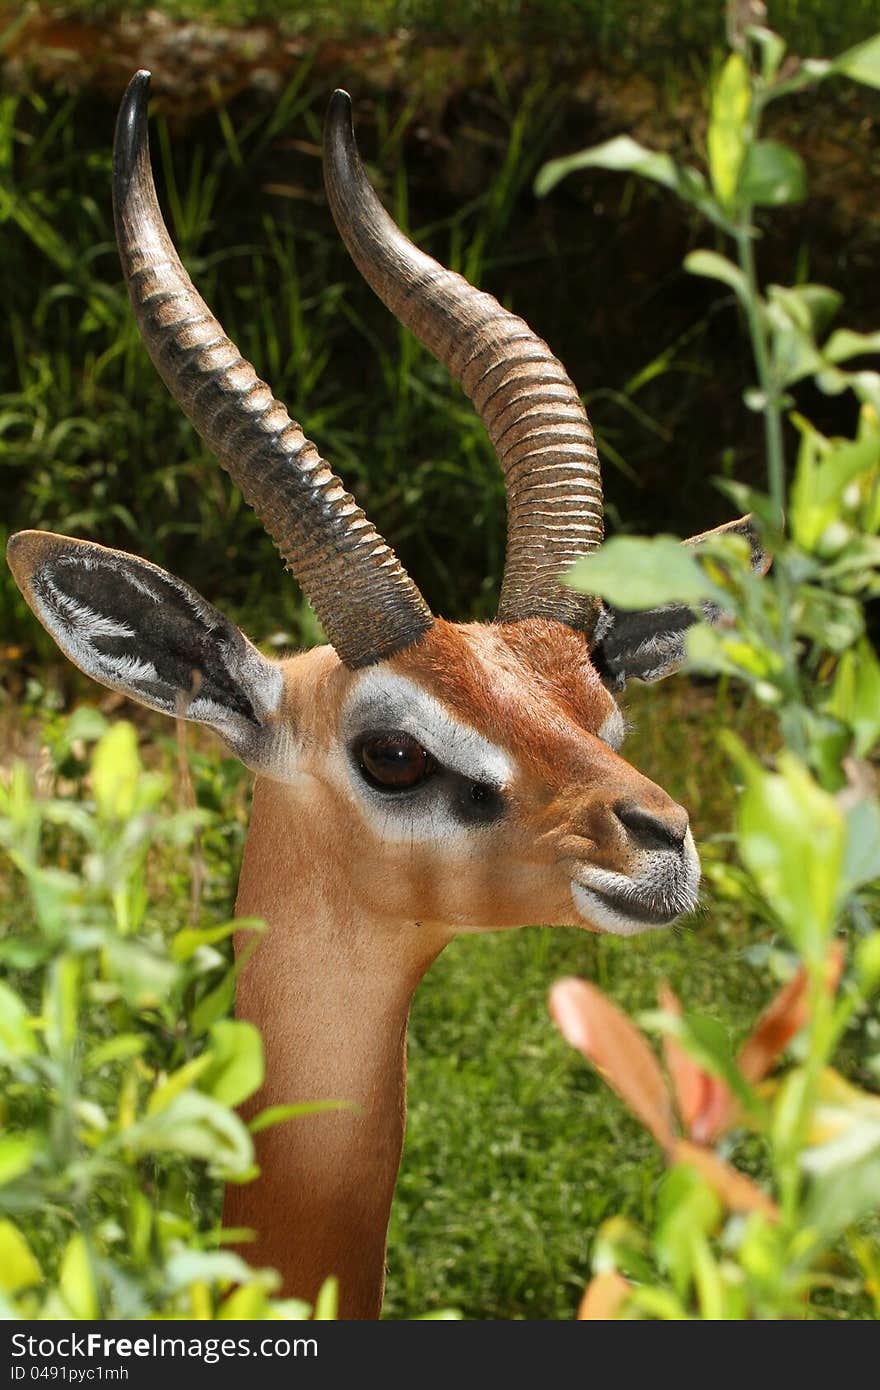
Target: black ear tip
(131,125)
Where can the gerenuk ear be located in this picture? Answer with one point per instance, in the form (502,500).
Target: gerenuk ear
(650,643)
(137,629)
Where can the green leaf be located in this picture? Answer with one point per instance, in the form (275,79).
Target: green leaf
(834,621)
(116,768)
(825,470)
(760,1252)
(61,1004)
(622,154)
(86,723)
(279,1114)
(290,1309)
(185,943)
(218,1001)
(637,573)
(146,976)
(772,48)
(772,175)
(867,957)
(16,1035)
(809,307)
(862,63)
(713,266)
(76,1280)
(855,696)
(327,1302)
(688,1208)
(705,1040)
(248,1303)
(861,862)
(709,649)
(16,1156)
(18,1264)
(175,1084)
(116,1049)
(728,122)
(842,1197)
(236,1062)
(844,344)
(791,839)
(625,155)
(214,1267)
(198,1126)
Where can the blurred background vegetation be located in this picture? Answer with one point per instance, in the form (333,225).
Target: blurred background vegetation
(457,105)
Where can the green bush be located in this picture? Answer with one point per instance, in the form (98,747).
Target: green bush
(119,1068)
(808,826)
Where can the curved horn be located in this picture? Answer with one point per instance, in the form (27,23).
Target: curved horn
(367,604)
(531,410)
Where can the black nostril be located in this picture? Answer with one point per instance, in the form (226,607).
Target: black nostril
(652,831)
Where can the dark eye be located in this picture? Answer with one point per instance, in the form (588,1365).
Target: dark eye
(393,761)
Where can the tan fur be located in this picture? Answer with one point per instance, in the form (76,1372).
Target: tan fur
(355,920)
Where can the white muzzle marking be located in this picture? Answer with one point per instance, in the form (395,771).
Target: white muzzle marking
(626,906)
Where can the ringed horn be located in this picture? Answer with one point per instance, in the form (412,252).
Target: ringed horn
(367,604)
(531,410)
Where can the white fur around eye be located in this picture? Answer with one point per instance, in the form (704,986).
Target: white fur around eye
(612,729)
(383,700)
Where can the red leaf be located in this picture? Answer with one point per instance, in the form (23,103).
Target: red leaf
(784,1016)
(602,1297)
(607,1038)
(737,1192)
(693,1087)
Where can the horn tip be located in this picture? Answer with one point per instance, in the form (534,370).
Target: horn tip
(339,117)
(131,124)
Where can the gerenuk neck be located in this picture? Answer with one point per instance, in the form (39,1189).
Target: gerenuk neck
(330,989)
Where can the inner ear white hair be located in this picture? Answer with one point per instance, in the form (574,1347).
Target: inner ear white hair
(138,629)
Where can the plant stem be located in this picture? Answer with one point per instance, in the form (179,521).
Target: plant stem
(771,411)
(775,452)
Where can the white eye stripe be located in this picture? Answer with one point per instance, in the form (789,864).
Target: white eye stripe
(384,700)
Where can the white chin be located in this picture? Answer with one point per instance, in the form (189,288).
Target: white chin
(600,914)
(603,900)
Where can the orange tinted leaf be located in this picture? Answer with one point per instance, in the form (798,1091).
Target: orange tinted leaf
(607,1038)
(718,1112)
(692,1086)
(784,1016)
(737,1191)
(603,1296)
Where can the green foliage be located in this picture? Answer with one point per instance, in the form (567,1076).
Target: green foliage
(637,573)
(118,1082)
(808,828)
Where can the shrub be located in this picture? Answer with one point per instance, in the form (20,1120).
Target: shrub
(808,824)
(119,1068)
